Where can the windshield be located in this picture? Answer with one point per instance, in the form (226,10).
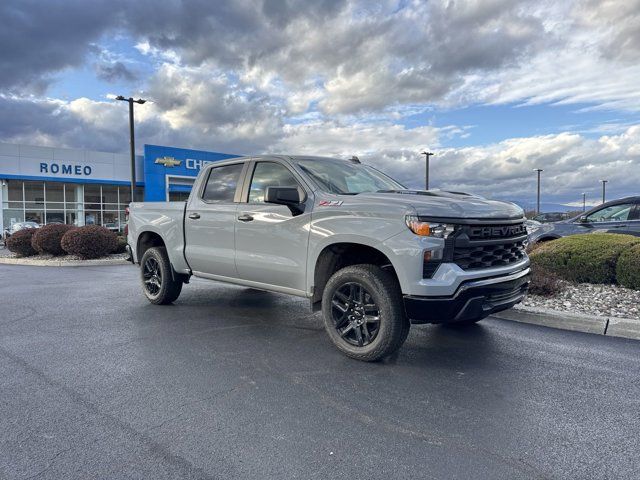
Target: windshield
(347,178)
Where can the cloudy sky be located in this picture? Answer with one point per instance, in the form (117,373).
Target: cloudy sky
(494,87)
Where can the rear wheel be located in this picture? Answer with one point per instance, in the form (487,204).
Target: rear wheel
(157,281)
(363,312)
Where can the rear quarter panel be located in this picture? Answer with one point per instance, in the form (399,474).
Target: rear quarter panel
(164,219)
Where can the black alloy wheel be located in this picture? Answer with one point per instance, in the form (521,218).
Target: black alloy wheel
(160,285)
(355,314)
(363,312)
(152,276)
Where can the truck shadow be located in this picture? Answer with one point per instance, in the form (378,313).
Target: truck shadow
(427,345)
(445,347)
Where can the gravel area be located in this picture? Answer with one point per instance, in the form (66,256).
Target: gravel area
(4,253)
(589,299)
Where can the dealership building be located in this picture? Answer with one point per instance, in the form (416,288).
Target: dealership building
(85,187)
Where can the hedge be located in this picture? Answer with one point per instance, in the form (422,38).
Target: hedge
(121,246)
(47,239)
(628,268)
(544,283)
(589,258)
(91,241)
(20,242)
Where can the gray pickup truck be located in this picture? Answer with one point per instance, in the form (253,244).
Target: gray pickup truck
(371,254)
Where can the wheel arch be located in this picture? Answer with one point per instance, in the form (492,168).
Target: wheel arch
(338,255)
(147,240)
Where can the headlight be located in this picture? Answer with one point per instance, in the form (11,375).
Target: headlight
(428,229)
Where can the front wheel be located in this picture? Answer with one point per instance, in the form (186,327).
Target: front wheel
(364,313)
(157,282)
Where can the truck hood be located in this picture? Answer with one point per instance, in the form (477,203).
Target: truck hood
(438,203)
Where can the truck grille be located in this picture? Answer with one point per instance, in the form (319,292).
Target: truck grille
(486,246)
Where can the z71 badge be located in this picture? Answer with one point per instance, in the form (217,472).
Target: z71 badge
(330,203)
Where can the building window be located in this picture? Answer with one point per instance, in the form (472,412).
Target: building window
(71,203)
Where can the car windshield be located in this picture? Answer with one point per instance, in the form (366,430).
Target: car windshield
(347,178)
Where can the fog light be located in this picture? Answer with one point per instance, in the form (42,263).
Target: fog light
(430,255)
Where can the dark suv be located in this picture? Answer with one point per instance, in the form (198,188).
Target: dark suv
(617,216)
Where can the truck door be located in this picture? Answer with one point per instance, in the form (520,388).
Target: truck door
(210,220)
(271,242)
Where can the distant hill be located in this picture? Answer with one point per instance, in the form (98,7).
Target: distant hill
(551,207)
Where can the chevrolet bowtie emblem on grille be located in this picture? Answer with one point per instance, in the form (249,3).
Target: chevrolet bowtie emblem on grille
(168,161)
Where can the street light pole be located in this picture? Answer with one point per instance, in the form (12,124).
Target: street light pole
(132,142)
(426,177)
(584,202)
(539,170)
(604,189)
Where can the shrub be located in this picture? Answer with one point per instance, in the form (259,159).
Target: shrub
(121,245)
(47,239)
(544,282)
(628,268)
(91,241)
(590,258)
(20,242)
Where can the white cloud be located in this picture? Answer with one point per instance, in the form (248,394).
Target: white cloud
(334,77)
(345,140)
(572,164)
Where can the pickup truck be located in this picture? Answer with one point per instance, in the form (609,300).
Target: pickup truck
(373,255)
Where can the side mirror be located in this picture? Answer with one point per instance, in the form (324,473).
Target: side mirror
(289,196)
(583,219)
(282,195)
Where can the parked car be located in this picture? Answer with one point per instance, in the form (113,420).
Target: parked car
(616,216)
(17,226)
(548,217)
(371,254)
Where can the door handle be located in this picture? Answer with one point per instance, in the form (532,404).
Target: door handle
(195,216)
(245,218)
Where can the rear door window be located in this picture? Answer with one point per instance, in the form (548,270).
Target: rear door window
(222,183)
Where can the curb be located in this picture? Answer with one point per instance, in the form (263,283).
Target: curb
(60,263)
(609,326)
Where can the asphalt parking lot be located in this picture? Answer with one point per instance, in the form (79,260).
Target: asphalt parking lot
(236,383)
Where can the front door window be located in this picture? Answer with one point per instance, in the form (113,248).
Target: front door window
(614,213)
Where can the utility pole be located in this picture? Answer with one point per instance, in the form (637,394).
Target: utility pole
(539,170)
(132,143)
(604,189)
(584,202)
(426,177)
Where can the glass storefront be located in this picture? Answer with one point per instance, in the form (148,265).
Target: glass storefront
(58,202)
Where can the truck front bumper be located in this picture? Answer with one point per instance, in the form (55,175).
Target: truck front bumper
(473,300)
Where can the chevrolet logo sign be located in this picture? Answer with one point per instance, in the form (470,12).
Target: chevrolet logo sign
(168,161)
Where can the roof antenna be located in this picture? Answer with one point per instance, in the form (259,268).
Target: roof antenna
(354,159)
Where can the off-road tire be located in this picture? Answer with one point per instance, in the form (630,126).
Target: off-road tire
(380,286)
(169,289)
